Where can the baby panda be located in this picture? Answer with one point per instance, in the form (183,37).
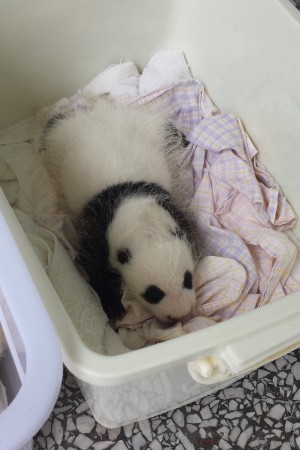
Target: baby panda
(114,168)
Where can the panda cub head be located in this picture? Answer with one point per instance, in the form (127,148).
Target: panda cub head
(153,257)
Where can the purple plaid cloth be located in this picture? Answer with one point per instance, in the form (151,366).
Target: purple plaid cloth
(240,208)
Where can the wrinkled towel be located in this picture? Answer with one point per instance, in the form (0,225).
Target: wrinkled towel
(240,208)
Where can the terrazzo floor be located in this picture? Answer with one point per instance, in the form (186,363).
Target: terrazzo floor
(260,411)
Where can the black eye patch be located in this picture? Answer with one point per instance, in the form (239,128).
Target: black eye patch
(153,294)
(188,280)
(124,255)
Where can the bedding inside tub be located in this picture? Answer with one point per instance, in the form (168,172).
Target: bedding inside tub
(240,209)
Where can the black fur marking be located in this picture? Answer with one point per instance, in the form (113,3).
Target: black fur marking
(153,294)
(93,254)
(185,142)
(92,225)
(108,285)
(53,120)
(178,232)
(124,255)
(50,124)
(188,280)
(176,135)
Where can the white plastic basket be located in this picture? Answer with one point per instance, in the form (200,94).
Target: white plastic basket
(31,367)
(247,55)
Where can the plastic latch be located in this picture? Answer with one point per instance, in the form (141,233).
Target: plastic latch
(209,370)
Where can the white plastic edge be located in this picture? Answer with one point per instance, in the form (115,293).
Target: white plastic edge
(42,379)
(101,370)
(290,9)
(10,344)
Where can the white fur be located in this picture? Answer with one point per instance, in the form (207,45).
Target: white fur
(89,150)
(158,257)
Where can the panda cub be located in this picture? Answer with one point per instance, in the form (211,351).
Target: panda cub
(114,168)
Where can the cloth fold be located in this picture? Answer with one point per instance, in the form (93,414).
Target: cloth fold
(79,300)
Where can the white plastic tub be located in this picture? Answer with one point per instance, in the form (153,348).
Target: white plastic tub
(31,366)
(247,55)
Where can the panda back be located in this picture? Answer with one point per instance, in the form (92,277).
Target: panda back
(89,151)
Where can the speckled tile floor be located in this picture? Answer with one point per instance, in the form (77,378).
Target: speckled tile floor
(260,411)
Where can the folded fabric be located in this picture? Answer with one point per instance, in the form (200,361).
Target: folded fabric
(110,77)
(164,68)
(240,208)
(79,300)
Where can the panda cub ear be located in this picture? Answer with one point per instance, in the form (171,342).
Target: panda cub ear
(124,255)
